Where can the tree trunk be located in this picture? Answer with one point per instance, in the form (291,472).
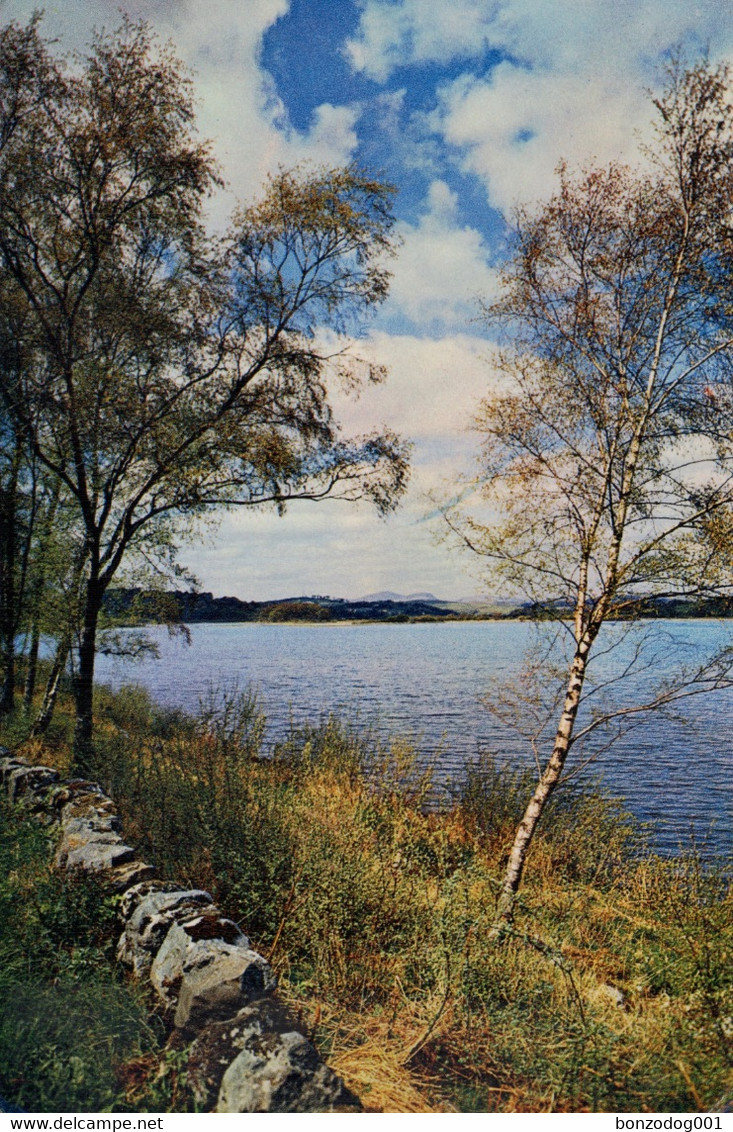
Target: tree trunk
(8,596)
(83,751)
(548,781)
(7,693)
(36,597)
(31,672)
(52,687)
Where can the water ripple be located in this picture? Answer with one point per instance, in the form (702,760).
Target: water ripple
(426,681)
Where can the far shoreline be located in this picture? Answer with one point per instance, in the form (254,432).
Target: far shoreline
(357,622)
(138,608)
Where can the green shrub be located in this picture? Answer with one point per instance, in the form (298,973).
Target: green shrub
(68,1022)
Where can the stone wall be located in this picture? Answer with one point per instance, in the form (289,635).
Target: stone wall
(246,1052)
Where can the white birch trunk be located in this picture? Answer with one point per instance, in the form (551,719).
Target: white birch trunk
(546,785)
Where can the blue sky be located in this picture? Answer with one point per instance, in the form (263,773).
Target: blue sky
(466,106)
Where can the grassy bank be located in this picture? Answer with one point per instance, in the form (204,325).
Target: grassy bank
(614,994)
(74,1036)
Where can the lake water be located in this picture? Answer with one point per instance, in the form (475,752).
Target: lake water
(426,682)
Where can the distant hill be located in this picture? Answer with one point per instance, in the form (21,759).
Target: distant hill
(475,601)
(388,595)
(137,607)
(482,600)
(133,606)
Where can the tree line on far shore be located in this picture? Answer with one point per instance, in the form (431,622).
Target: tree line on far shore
(128,607)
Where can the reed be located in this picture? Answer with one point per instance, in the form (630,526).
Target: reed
(612,994)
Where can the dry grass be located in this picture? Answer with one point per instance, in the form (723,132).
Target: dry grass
(372,1058)
(375,915)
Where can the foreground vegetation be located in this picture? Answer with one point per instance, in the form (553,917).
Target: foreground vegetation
(612,993)
(71,1030)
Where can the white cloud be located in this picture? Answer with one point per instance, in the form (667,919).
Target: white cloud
(571,86)
(332,138)
(418,31)
(597,35)
(238,107)
(442,266)
(556,33)
(336,549)
(431,392)
(429,397)
(512,129)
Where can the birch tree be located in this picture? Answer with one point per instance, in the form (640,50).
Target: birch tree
(179,373)
(607,464)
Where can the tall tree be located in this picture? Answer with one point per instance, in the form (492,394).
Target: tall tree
(180,374)
(12,466)
(25,79)
(608,446)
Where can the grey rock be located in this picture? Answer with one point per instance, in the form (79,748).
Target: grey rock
(89,832)
(218,989)
(150,921)
(279,1071)
(137,892)
(613,994)
(9,763)
(79,787)
(51,801)
(68,793)
(80,832)
(120,877)
(97,856)
(28,780)
(206,966)
(95,821)
(297,1080)
(89,802)
(7,759)
(279,1075)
